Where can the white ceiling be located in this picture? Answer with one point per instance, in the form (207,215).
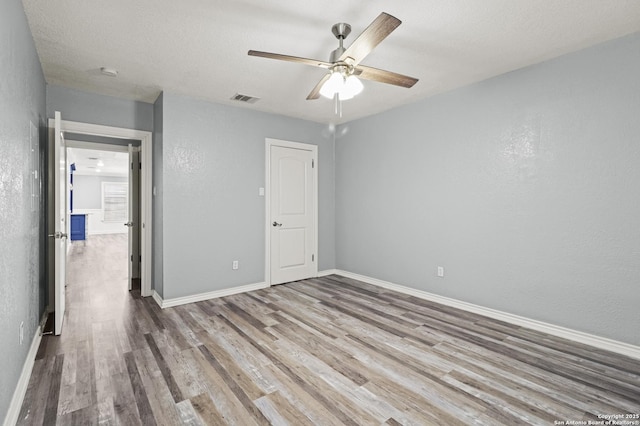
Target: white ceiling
(199,48)
(98,163)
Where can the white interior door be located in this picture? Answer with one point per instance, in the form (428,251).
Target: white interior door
(60,227)
(292,201)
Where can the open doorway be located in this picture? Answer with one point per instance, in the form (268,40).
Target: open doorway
(104,213)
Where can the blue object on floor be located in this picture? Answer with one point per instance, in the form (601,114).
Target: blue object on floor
(78,227)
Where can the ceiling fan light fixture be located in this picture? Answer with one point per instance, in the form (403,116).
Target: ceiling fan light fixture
(333,85)
(345,86)
(344,63)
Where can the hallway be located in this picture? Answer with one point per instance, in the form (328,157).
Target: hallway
(96,280)
(99,305)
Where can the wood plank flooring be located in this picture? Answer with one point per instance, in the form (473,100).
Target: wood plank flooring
(321,351)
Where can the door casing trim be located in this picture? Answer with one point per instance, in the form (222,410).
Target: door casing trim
(146,190)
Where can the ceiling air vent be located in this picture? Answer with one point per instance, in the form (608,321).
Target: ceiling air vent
(244,98)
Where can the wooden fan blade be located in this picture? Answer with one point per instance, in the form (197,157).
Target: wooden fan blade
(377,31)
(375,74)
(312,62)
(315,93)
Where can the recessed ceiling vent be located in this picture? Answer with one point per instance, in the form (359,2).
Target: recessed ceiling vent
(244,98)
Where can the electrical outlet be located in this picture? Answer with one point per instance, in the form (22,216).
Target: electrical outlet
(21,332)
(235,265)
(441,271)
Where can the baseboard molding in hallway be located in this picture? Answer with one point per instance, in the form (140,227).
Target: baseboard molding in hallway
(23,382)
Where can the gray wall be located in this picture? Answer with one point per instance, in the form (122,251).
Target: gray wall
(157,268)
(87,190)
(84,107)
(213,164)
(22,102)
(525,187)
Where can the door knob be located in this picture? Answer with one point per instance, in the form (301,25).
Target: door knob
(276,224)
(58,234)
(129,224)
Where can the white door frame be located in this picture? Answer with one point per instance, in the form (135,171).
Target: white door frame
(267,200)
(146,191)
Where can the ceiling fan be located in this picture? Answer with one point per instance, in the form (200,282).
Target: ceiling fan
(344,65)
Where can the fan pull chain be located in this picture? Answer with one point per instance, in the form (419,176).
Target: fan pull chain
(337,105)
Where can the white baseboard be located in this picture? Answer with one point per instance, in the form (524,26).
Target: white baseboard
(329,272)
(157,298)
(555,330)
(167,303)
(23,382)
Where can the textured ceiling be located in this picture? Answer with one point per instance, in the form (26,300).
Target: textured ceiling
(99,163)
(199,47)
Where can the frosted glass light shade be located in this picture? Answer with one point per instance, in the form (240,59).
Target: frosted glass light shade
(352,86)
(332,86)
(346,88)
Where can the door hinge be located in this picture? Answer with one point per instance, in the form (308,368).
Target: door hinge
(132,258)
(140,166)
(313,257)
(313,163)
(140,258)
(131,166)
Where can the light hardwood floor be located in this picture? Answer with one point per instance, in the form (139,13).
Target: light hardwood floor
(320,351)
